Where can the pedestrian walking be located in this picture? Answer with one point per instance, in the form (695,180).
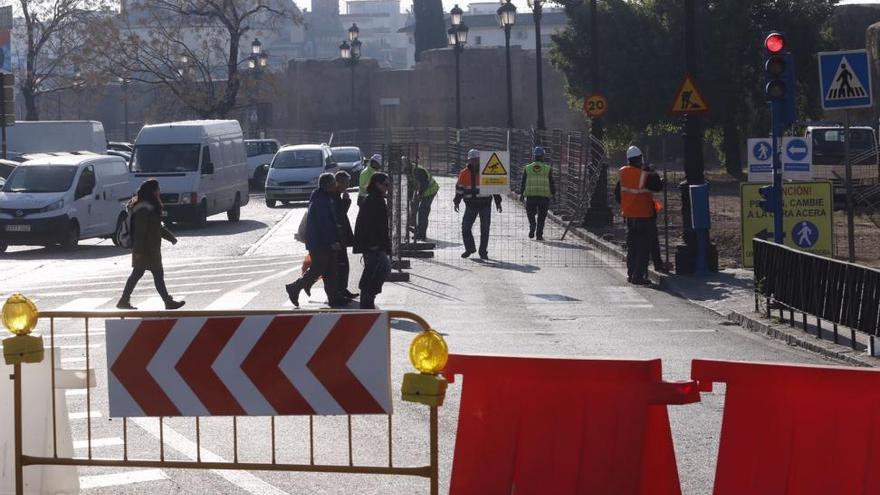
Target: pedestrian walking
(425,189)
(374,164)
(476,204)
(147,233)
(346,236)
(322,242)
(371,239)
(634,193)
(537,188)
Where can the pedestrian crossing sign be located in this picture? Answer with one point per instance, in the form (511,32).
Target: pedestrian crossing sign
(845,80)
(494,172)
(689,99)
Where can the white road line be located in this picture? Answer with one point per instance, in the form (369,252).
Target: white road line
(633,305)
(76,392)
(83,415)
(154,302)
(117,289)
(242,479)
(232,300)
(83,303)
(118,479)
(117,283)
(92,333)
(97,442)
(78,346)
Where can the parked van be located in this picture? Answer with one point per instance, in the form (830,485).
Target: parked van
(293,173)
(60,198)
(259,154)
(48,136)
(200,165)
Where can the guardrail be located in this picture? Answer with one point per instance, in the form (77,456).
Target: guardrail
(838,292)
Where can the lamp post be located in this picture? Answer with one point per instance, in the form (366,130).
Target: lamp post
(598,214)
(507,18)
(257,62)
(537,6)
(350,52)
(457,38)
(123,84)
(77,88)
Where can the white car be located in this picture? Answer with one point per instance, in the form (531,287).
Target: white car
(294,171)
(60,198)
(259,155)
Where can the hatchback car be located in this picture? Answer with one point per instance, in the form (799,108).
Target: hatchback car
(349,159)
(293,173)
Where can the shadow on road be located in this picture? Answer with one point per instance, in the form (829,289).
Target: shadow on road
(506,265)
(81,252)
(217,227)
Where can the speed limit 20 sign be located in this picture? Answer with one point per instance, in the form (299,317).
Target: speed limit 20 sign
(596,105)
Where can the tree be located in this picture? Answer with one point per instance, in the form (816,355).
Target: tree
(191,47)
(53,38)
(430,30)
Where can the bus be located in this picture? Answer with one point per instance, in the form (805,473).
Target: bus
(828,154)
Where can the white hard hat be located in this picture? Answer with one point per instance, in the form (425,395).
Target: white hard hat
(376,158)
(633,152)
(473,154)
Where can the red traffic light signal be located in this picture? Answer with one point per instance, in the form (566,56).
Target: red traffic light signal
(774,43)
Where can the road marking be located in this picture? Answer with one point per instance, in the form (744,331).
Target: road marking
(83,303)
(116,289)
(118,479)
(76,284)
(242,479)
(695,330)
(75,392)
(635,306)
(232,300)
(97,442)
(92,333)
(78,346)
(84,414)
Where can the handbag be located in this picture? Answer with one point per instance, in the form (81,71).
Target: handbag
(300,234)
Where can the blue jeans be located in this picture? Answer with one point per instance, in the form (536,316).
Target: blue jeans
(377,266)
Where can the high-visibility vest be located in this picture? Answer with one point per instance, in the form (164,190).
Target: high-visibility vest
(364,180)
(433,187)
(537,180)
(635,200)
(468,186)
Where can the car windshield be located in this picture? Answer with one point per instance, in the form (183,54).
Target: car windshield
(158,158)
(40,179)
(256,148)
(298,159)
(346,155)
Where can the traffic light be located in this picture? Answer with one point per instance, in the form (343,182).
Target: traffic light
(768,198)
(779,77)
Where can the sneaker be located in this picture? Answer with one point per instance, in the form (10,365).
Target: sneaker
(349,294)
(484,256)
(643,281)
(466,254)
(124,304)
(293,293)
(172,304)
(540,237)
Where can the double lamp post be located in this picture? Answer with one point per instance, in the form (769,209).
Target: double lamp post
(257,63)
(350,52)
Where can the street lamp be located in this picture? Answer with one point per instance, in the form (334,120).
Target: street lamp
(457,38)
(507,18)
(353,32)
(350,52)
(537,6)
(455,15)
(123,83)
(77,88)
(257,62)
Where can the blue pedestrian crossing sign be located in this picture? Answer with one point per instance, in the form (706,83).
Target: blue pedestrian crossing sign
(845,79)
(805,234)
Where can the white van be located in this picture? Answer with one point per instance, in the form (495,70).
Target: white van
(259,154)
(200,165)
(60,198)
(47,136)
(294,172)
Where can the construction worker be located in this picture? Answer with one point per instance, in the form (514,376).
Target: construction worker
(476,204)
(634,193)
(537,188)
(424,191)
(374,164)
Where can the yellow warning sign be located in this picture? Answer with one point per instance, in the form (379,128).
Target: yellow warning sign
(494,166)
(689,99)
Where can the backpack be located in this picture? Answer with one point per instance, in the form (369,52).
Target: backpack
(124,238)
(302,230)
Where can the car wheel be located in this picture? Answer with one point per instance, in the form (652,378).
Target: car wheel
(234,214)
(3,248)
(72,238)
(202,215)
(271,203)
(286,203)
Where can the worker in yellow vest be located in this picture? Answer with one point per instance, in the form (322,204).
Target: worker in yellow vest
(424,191)
(537,188)
(373,165)
(634,191)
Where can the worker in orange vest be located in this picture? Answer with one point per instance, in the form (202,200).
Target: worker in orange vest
(475,203)
(634,192)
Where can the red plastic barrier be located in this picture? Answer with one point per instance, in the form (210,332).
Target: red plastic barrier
(531,425)
(792,429)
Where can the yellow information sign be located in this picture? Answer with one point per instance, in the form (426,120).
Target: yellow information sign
(808,208)
(494,172)
(689,99)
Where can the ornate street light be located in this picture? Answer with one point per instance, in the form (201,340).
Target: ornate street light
(257,63)
(353,32)
(350,52)
(537,6)
(256,47)
(507,18)
(455,15)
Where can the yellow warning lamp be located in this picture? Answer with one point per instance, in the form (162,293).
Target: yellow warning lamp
(20,317)
(428,354)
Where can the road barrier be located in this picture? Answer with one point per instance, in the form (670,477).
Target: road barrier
(809,430)
(543,425)
(836,291)
(218,363)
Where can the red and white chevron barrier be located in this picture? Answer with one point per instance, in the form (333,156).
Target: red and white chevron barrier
(250,366)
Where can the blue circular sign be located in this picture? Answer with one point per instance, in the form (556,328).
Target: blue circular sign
(762,151)
(796,149)
(805,234)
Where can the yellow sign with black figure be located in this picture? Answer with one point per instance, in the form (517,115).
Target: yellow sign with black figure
(494,172)
(494,166)
(808,209)
(689,99)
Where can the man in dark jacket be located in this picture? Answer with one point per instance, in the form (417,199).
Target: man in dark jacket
(346,236)
(475,204)
(372,240)
(322,242)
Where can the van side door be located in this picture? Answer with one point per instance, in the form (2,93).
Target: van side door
(207,179)
(86,205)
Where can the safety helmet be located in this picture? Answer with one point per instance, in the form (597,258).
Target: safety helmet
(376,158)
(539,151)
(633,152)
(472,153)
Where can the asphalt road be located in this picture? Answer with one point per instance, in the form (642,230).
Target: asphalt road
(526,306)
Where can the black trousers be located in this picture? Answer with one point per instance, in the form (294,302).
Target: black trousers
(467,223)
(423,210)
(639,242)
(377,266)
(324,264)
(134,278)
(539,206)
(656,258)
(342,269)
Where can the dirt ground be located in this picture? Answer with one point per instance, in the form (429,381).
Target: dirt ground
(726,228)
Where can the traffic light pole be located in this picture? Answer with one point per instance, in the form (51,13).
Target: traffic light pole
(776,128)
(850,223)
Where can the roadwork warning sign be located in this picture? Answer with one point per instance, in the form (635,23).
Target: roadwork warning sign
(808,223)
(494,172)
(689,99)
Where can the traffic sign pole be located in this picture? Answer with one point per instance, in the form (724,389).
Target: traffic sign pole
(776,125)
(847,161)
